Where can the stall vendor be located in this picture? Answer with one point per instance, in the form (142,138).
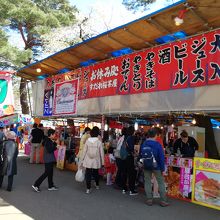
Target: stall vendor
(185,146)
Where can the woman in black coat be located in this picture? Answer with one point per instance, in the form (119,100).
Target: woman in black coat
(9,159)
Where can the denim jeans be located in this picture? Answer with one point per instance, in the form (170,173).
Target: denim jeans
(148,185)
(10,181)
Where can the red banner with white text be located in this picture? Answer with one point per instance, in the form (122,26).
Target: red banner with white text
(187,63)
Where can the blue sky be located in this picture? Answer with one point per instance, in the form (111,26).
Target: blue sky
(106,14)
(113,13)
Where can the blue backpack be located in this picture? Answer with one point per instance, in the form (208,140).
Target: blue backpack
(123,151)
(148,158)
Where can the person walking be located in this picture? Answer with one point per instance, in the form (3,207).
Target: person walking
(152,157)
(92,158)
(49,160)
(37,138)
(9,162)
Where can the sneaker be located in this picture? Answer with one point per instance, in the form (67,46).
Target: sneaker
(149,202)
(164,204)
(35,188)
(124,191)
(53,188)
(88,191)
(133,193)
(96,186)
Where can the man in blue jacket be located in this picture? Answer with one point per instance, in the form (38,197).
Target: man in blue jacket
(158,167)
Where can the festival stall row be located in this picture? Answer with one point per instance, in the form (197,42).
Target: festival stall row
(134,83)
(185,64)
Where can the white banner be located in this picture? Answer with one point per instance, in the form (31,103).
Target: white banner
(65,98)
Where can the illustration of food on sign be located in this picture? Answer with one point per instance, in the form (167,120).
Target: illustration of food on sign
(207,188)
(3,90)
(211,188)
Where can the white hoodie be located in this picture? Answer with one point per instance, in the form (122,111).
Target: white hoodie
(93,153)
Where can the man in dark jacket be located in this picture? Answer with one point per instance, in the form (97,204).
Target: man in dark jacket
(49,161)
(185,145)
(37,138)
(157,170)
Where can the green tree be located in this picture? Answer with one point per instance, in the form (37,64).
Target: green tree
(31,19)
(11,57)
(135,5)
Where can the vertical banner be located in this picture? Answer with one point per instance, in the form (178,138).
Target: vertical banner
(65,98)
(206,182)
(48,102)
(102,126)
(6,94)
(61,157)
(179,177)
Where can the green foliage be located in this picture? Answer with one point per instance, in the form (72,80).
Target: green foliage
(30,18)
(135,5)
(11,57)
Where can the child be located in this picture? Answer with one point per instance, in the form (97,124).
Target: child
(109,166)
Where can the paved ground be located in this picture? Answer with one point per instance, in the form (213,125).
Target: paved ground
(71,202)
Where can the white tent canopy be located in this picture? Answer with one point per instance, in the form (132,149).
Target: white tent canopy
(186,100)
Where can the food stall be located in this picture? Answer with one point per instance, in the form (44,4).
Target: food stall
(158,69)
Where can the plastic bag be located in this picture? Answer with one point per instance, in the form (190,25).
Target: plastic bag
(80,175)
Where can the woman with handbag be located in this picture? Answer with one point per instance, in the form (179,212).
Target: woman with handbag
(92,158)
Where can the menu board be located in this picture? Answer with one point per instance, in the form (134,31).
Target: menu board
(178,178)
(206,182)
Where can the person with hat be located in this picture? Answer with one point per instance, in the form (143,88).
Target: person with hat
(10,153)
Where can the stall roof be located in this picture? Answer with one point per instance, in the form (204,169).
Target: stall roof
(199,16)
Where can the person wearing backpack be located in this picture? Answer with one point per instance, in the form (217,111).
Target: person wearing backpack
(92,158)
(128,168)
(152,157)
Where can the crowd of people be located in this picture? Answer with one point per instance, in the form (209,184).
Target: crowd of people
(91,158)
(122,161)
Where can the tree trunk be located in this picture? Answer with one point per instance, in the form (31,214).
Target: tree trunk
(24,97)
(210,144)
